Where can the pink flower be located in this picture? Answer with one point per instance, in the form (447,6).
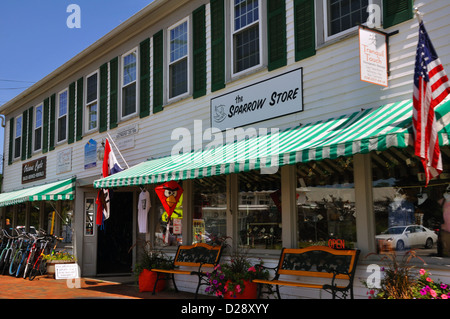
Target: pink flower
(422,271)
(252,269)
(444,296)
(433,293)
(429,279)
(238,288)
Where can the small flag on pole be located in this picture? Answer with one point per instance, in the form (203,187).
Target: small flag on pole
(431,86)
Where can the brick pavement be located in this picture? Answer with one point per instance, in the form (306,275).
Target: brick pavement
(44,287)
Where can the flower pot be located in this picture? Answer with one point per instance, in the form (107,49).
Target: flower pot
(250,291)
(147,280)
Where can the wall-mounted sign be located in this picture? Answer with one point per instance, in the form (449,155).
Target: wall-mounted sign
(125,136)
(373,57)
(274,97)
(90,154)
(64,161)
(34,170)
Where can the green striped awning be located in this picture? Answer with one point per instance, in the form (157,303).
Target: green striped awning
(61,190)
(360,132)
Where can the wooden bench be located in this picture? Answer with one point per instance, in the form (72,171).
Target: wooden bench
(199,255)
(317,262)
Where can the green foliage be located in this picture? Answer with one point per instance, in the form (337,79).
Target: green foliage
(60,255)
(153,258)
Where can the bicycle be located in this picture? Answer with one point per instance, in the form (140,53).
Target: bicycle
(40,266)
(9,251)
(17,254)
(21,254)
(30,258)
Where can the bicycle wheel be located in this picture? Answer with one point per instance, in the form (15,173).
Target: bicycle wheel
(29,264)
(7,261)
(38,269)
(15,262)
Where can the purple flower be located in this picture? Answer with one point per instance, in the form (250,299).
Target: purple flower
(423,292)
(444,286)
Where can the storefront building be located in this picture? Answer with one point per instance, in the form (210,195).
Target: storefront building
(257,110)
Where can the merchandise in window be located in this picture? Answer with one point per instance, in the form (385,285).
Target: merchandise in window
(91,101)
(168,230)
(38,128)
(259,219)
(408,215)
(178,59)
(246,35)
(129,76)
(18,137)
(89,216)
(342,15)
(326,203)
(62,116)
(210,210)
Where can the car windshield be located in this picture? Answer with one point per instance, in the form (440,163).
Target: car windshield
(394,230)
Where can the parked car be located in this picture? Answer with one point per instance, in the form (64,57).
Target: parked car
(399,237)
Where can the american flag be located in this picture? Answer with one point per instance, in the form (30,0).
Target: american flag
(431,86)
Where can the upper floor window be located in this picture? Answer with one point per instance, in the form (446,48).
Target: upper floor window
(91,102)
(18,137)
(342,15)
(38,127)
(129,83)
(178,59)
(246,42)
(62,116)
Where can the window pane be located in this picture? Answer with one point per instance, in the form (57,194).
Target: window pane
(178,78)
(92,116)
(129,100)
(326,203)
(19,127)
(178,42)
(245,13)
(38,139)
(38,116)
(91,88)
(17,147)
(259,219)
(246,49)
(129,68)
(345,14)
(210,209)
(62,104)
(62,127)
(407,215)
(89,216)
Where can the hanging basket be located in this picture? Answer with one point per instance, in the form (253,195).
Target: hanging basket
(147,280)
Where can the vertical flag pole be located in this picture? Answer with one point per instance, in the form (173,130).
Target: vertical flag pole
(117,150)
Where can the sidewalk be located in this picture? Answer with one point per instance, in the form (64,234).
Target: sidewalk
(91,288)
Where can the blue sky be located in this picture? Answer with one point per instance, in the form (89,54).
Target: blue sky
(35,39)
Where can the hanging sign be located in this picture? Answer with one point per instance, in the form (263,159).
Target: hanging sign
(34,170)
(373,57)
(169,194)
(274,97)
(90,154)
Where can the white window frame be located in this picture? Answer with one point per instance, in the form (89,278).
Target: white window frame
(36,127)
(234,32)
(342,33)
(90,103)
(188,61)
(59,116)
(122,86)
(18,135)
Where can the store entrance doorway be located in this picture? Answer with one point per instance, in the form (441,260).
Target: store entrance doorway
(115,237)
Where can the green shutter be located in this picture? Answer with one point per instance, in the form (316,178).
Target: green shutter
(79,125)
(23,152)
(276,33)
(52,122)
(144,74)
(304,29)
(30,132)
(217,45)
(396,11)
(11,141)
(71,124)
(113,96)
(158,69)
(103,116)
(46,119)
(199,51)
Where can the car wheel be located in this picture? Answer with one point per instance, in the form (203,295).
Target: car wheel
(400,245)
(429,243)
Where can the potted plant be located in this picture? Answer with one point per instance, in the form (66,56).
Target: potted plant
(152,258)
(60,257)
(233,280)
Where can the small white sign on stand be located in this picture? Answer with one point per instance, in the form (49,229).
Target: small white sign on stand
(66,271)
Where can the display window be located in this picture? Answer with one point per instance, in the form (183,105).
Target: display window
(325,198)
(409,215)
(259,219)
(209,223)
